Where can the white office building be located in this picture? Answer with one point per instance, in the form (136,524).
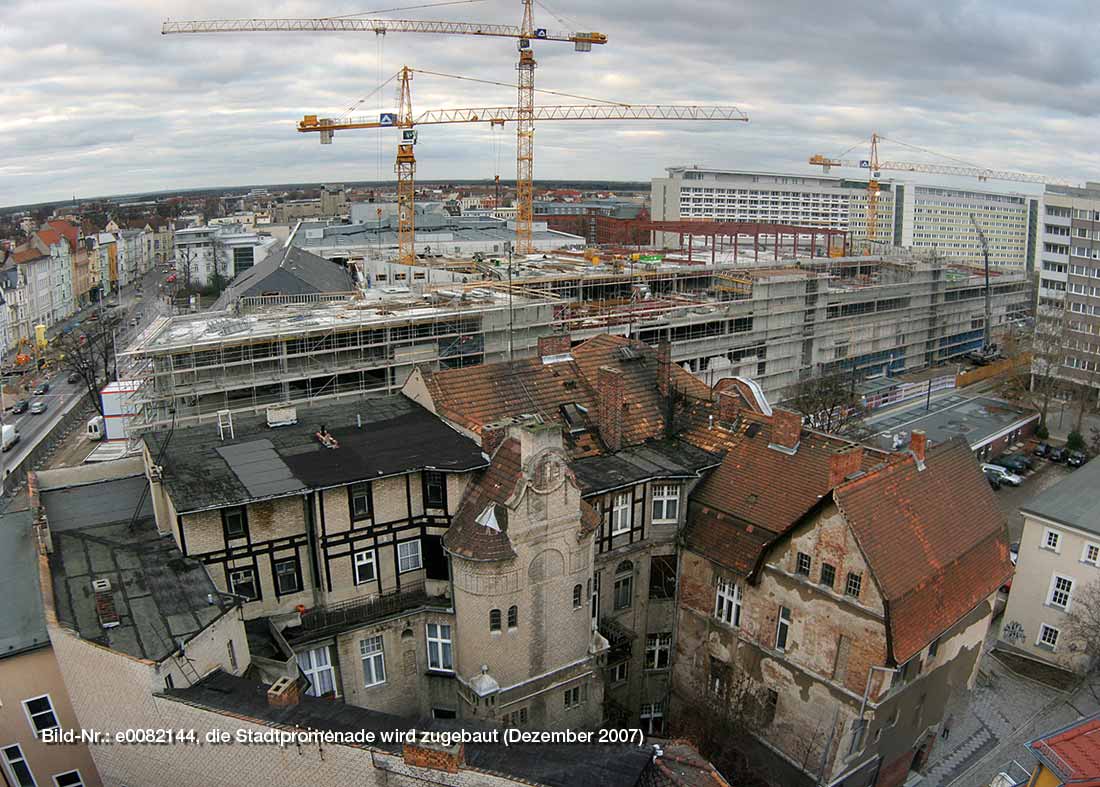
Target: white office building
(205,253)
(924,218)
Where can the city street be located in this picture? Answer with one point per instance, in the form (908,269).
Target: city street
(31,427)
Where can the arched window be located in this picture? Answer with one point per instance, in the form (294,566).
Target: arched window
(494,620)
(577,597)
(513,616)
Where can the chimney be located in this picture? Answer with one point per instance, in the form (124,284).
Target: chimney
(434,756)
(284,692)
(918,442)
(786,430)
(555,344)
(664,368)
(728,407)
(492,435)
(609,403)
(844,463)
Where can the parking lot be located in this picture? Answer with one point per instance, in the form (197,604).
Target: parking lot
(1045,475)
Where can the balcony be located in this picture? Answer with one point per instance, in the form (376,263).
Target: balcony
(359,612)
(619,637)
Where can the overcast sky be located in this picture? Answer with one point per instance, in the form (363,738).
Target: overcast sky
(96,101)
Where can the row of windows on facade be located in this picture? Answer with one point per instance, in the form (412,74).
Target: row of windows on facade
(1060,591)
(287,574)
(41,717)
(665,510)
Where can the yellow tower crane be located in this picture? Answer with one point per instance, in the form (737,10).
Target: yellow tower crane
(959,167)
(525,115)
(404,120)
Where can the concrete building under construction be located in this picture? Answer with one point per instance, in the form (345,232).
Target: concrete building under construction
(777,323)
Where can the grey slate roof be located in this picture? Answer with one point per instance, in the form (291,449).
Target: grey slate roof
(397,435)
(289,271)
(159,595)
(554,765)
(22,625)
(657,459)
(1072,501)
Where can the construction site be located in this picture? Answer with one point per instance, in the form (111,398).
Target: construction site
(777,322)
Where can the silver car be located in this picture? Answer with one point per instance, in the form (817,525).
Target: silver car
(38,406)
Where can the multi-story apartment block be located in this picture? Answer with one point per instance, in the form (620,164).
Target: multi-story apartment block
(925,218)
(158,237)
(205,254)
(33,700)
(536,544)
(104,265)
(1059,558)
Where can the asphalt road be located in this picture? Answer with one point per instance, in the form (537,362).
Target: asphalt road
(32,428)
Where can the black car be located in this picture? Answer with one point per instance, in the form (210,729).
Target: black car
(21,406)
(1013,462)
(1042,450)
(993,480)
(42,388)
(1076,459)
(73,377)
(1058,455)
(1024,459)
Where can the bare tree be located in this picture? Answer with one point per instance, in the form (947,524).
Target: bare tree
(1047,344)
(829,404)
(90,356)
(1083,628)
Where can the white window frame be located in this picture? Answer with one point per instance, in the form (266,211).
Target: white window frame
(296,574)
(30,716)
(620,514)
(361,490)
(620,672)
(1095,561)
(255,582)
(650,712)
(1054,589)
(314,669)
(373,655)
(410,561)
(666,503)
(783,624)
(7,763)
(656,644)
(78,783)
(858,584)
(1041,643)
(727,603)
(1057,547)
(440,645)
(369,558)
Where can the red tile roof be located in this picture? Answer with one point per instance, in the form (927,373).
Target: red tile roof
(467,537)
(1073,752)
(49,236)
(27,254)
(934,539)
(478,395)
(758,493)
(70,231)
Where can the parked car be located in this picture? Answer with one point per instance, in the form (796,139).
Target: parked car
(38,406)
(171,278)
(73,377)
(1058,455)
(21,406)
(1013,462)
(1076,458)
(1042,450)
(41,389)
(993,479)
(1003,474)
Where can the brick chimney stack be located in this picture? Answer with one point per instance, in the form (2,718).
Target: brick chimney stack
(434,756)
(918,443)
(609,402)
(492,435)
(786,430)
(664,369)
(844,463)
(728,407)
(555,344)
(284,692)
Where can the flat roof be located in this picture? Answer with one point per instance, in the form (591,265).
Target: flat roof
(550,764)
(657,459)
(22,622)
(160,596)
(376,437)
(978,419)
